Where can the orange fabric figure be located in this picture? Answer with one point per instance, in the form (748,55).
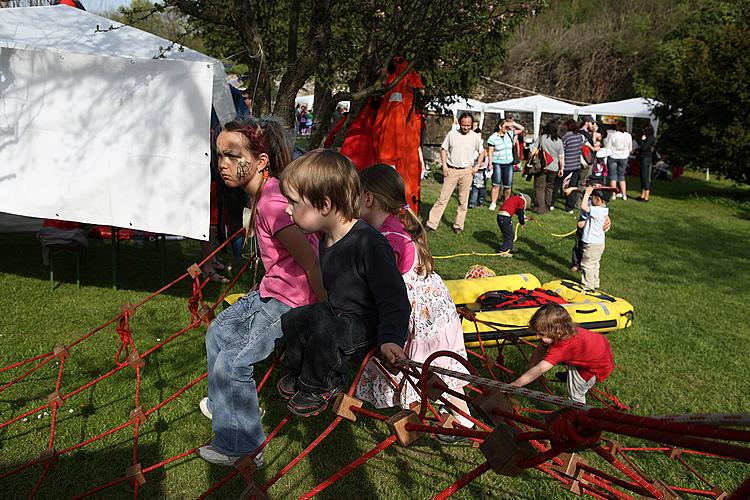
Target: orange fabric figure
(358,144)
(397,127)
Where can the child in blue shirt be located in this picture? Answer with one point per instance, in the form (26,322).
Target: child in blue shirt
(594,204)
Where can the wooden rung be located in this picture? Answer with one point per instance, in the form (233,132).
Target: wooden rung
(397,424)
(342,406)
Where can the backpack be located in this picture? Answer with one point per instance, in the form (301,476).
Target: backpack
(504,299)
(588,154)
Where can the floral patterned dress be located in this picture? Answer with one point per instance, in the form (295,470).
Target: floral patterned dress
(434,326)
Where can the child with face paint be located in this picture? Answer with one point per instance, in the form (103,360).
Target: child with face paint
(252,153)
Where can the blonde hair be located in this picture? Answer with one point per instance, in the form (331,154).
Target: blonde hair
(554,322)
(321,174)
(389,190)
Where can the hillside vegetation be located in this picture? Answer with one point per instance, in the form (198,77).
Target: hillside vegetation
(584,50)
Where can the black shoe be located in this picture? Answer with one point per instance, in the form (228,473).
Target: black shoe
(428,228)
(444,438)
(562,376)
(287,386)
(308,404)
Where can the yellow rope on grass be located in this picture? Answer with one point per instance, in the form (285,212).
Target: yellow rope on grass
(555,234)
(477,254)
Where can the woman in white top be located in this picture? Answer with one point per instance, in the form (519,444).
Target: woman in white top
(620,143)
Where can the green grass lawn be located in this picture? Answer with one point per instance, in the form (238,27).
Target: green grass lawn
(681,260)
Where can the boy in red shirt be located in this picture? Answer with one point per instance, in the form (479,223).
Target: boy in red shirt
(515,205)
(587,355)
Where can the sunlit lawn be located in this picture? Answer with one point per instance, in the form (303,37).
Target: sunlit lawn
(681,260)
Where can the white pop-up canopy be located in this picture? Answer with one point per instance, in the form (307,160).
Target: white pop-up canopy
(637,107)
(460,104)
(98,128)
(535,104)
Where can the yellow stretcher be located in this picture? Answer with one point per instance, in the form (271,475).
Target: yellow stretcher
(593,310)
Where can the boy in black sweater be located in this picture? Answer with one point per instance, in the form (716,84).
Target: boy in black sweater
(367,302)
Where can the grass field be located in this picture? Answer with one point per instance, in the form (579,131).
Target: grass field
(682,261)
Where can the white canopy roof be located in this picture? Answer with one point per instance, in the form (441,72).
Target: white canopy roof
(637,107)
(309,101)
(532,104)
(535,104)
(96,128)
(70,30)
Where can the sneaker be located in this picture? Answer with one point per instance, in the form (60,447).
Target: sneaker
(506,254)
(472,206)
(619,195)
(205,410)
(309,404)
(624,197)
(569,211)
(444,438)
(493,206)
(573,269)
(458,230)
(287,386)
(210,455)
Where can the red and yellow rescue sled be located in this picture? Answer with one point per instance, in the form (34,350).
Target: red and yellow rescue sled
(593,310)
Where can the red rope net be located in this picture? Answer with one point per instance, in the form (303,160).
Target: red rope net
(571,443)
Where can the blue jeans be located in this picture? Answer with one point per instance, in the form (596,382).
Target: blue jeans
(502,175)
(243,334)
(476,196)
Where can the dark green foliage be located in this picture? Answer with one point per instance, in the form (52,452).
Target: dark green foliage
(700,72)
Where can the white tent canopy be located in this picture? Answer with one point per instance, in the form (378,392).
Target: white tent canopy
(535,104)
(637,107)
(95,129)
(309,101)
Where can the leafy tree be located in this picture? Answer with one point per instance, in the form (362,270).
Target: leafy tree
(168,23)
(344,46)
(701,72)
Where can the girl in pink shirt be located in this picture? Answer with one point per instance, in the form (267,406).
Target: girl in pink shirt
(434,323)
(252,154)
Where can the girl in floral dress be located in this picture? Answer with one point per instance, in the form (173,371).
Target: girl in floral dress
(434,323)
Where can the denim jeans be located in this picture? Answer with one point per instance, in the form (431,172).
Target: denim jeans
(502,175)
(506,228)
(242,335)
(476,196)
(319,344)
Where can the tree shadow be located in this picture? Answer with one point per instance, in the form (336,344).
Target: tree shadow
(140,264)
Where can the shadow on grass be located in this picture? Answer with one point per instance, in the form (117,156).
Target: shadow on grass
(91,469)
(139,265)
(689,186)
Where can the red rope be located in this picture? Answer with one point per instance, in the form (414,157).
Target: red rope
(347,469)
(26,361)
(229,476)
(304,453)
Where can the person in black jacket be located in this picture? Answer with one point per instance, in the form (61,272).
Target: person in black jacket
(646,147)
(367,303)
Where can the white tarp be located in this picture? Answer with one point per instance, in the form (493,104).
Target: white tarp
(309,101)
(637,107)
(94,129)
(535,104)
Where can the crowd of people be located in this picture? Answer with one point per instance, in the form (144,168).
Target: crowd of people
(348,269)
(567,160)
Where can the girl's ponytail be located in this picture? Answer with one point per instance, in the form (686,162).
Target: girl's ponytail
(388,188)
(414,227)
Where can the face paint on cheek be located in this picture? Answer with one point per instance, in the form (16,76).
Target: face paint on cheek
(242,170)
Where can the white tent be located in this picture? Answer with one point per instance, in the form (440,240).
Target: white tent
(535,104)
(97,128)
(309,101)
(637,107)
